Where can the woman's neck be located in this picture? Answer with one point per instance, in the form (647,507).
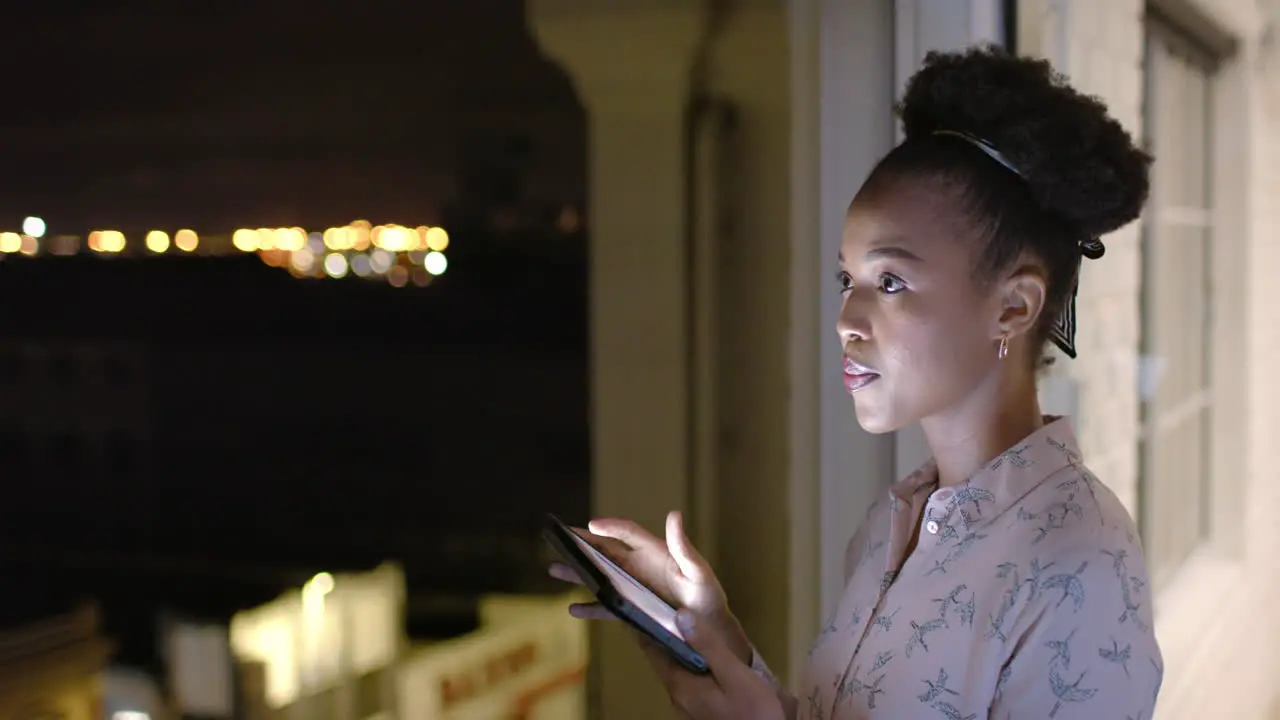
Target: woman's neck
(991,421)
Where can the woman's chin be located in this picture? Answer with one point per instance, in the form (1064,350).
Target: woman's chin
(874,418)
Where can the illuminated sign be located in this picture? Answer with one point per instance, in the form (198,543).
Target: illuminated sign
(483,676)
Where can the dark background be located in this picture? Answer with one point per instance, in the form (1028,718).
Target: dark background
(199,433)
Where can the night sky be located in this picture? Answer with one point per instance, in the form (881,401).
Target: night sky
(263,427)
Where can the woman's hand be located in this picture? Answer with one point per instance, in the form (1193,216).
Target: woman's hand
(732,690)
(672,569)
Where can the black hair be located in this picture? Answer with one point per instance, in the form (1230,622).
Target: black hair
(1076,175)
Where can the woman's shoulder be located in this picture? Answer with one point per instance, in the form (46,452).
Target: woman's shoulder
(1076,525)
(1082,571)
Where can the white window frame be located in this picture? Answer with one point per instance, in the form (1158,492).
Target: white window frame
(1215,569)
(1218,568)
(1176,369)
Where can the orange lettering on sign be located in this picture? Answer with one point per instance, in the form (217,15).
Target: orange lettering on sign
(447,696)
(495,669)
(492,671)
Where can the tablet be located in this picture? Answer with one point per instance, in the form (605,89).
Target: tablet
(622,594)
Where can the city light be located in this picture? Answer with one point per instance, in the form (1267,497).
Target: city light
(399,255)
(322,583)
(394,238)
(380,261)
(303,261)
(335,265)
(107,241)
(435,263)
(313,598)
(436,239)
(244,240)
(34,227)
(157,241)
(186,240)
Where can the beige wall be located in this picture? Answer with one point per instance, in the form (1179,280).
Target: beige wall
(1213,618)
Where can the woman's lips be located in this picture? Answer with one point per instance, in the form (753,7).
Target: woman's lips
(857,375)
(853,382)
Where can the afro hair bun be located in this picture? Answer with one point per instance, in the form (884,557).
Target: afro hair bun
(1081,164)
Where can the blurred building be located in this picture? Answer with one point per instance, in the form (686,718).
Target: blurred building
(52,669)
(726,140)
(337,649)
(130,694)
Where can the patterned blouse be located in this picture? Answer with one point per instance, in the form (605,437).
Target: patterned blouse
(1026,597)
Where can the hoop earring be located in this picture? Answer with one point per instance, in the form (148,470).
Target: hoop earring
(1003,350)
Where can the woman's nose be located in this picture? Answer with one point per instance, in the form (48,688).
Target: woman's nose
(853,323)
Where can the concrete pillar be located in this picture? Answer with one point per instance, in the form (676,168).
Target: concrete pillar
(842,65)
(809,83)
(631,64)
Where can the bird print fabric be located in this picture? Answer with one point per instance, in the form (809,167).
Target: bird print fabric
(1026,597)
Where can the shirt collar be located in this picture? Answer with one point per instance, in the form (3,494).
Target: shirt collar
(1001,482)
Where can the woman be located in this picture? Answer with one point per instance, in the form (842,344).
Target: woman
(1001,579)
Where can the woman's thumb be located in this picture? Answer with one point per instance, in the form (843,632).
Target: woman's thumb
(691,563)
(708,643)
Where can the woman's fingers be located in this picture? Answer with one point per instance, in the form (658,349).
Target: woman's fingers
(560,571)
(627,532)
(584,611)
(689,560)
(606,544)
(657,655)
(590,611)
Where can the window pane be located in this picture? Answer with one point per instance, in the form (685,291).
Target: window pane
(1176,302)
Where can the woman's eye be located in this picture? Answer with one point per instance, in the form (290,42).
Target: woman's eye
(891,284)
(845,280)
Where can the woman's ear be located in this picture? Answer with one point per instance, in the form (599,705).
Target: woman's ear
(1022,296)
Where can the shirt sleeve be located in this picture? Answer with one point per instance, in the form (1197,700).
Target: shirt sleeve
(852,555)
(789,702)
(1090,650)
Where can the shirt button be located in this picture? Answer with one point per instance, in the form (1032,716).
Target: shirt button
(932,527)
